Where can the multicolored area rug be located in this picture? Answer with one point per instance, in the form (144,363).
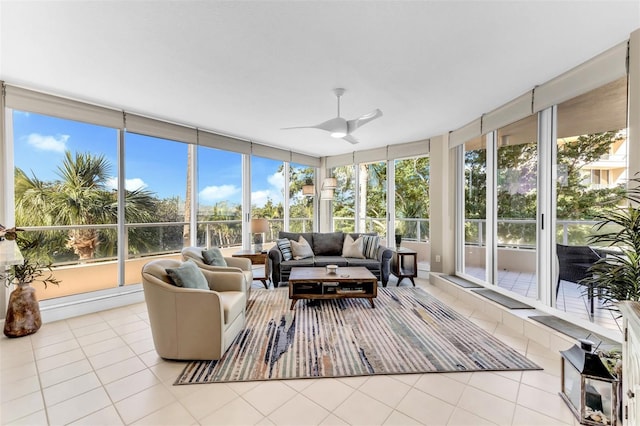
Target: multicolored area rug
(409,331)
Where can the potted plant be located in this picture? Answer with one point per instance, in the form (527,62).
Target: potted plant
(616,276)
(23,312)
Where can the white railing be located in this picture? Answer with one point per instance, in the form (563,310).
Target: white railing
(568,232)
(168,236)
(413,229)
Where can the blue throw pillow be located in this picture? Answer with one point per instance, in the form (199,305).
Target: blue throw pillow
(188,275)
(284,245)
(213,257)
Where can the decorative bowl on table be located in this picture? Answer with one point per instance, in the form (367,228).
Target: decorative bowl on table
(332,269)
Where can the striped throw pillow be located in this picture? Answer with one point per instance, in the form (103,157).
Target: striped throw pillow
(285,248)
(370,244)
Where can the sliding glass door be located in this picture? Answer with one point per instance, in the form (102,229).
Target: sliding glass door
(532,189)
(592,175)
(475,208)
(517,203)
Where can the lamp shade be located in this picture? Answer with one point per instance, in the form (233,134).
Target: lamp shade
(329,183)
(326,194)
(259,226)
(308,189)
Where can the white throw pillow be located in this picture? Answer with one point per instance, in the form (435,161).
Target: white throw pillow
(352,248)
(301,249)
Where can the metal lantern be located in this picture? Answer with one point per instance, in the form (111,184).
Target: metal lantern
(587,386)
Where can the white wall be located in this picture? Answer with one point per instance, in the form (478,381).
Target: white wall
(441,201)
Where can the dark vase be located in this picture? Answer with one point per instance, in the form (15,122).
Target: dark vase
(23,312)
(398,240)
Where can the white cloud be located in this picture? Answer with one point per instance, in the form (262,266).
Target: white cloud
(56,143)
(276,180)
(135,183)
(129,184)
(216,193)
(260,198)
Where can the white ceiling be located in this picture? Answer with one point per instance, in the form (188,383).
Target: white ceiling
(248,69)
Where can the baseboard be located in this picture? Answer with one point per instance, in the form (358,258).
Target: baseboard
(72,306)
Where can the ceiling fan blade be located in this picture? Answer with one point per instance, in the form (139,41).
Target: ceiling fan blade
(337,124)
(351,139)
(361,121)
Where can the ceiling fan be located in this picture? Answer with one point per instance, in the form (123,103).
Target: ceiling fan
(339,127)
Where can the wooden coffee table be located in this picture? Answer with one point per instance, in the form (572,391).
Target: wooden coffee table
(316,283)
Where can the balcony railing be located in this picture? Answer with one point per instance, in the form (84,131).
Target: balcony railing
(148,240)
(153,239)
(413,229)
(520,233)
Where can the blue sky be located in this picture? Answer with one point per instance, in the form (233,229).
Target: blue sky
(155,164)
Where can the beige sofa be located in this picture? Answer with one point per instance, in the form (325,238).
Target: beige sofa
(193,324)
(234,264)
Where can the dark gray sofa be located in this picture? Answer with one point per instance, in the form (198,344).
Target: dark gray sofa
(327,250)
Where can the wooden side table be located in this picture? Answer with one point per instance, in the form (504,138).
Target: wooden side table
(405,264)
(257,259)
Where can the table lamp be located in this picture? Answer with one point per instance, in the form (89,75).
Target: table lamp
(259,227)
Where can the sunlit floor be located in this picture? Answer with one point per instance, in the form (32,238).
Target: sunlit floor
(572,298)
(102,369)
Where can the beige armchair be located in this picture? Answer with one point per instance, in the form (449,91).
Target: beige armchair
(193,324)
(234,264)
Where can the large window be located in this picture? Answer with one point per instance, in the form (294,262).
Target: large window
(372,198)
(68,187)
(156,171)
(412,199)
(219,198)
(344,203)
(65,184)
(300,205)
(267,194)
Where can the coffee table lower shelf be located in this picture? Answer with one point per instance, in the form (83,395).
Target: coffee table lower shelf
(348,283)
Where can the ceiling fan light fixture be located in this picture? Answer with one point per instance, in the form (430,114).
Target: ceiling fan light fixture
(338,134)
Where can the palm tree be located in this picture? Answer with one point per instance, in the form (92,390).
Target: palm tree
(80,197)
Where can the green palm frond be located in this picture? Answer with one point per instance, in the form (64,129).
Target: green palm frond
(616,276)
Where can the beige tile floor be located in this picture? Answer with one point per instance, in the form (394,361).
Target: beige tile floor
(102,369)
